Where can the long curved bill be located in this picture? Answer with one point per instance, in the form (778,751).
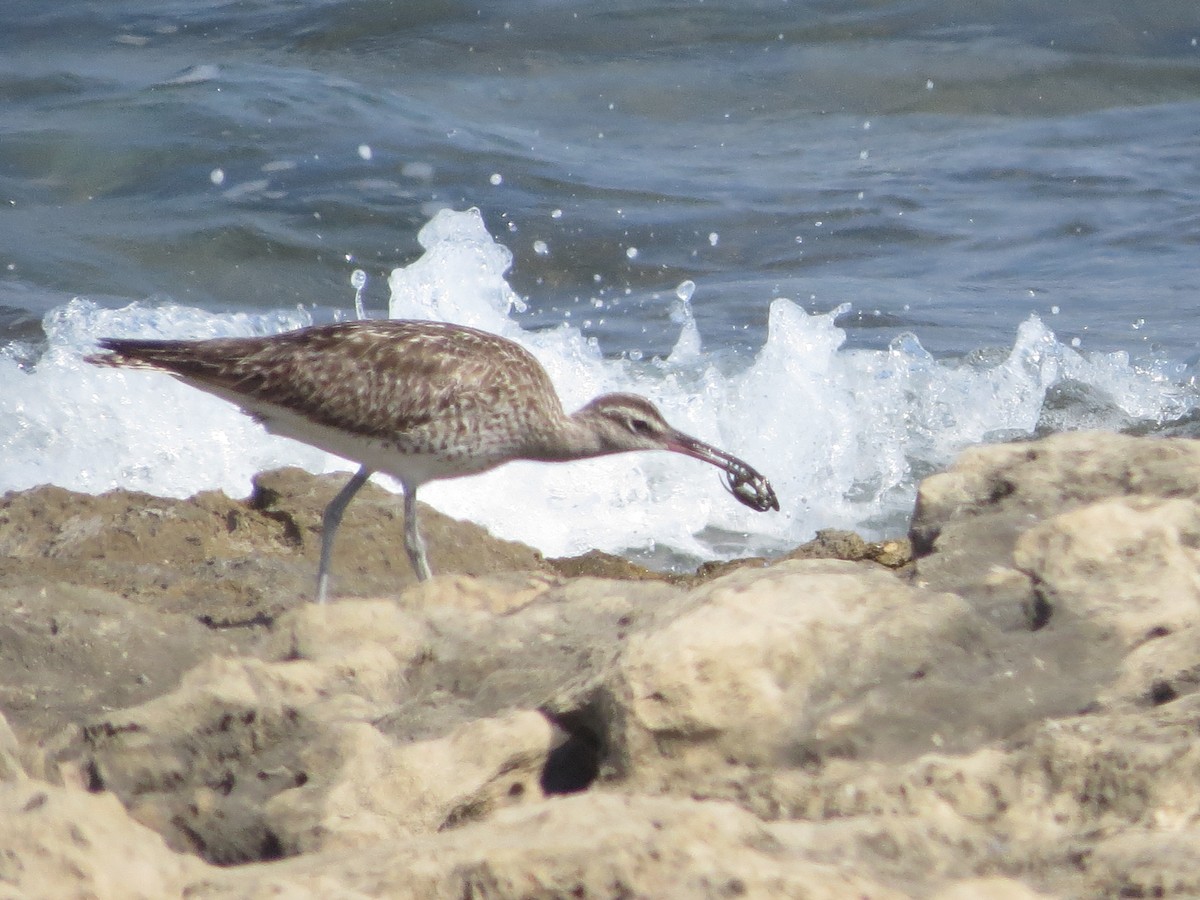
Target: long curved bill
(745,483)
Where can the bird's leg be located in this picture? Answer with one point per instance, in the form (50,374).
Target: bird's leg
(412,535)
(330,521)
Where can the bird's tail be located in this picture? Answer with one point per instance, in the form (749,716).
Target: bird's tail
(136,353)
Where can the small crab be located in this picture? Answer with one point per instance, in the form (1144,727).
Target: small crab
(750,488)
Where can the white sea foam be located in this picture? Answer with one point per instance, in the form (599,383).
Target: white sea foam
(842,434)
(65,422)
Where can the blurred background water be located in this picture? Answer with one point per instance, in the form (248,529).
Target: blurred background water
(985,218)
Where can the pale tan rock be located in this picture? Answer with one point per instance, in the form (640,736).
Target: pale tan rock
(593,845)
(495,594)
(357,694)
(1057,473)
(933,820)
(365,645)
(11,768)
(851,733)
(764,658)
(369,789)
(989,889)
(223,711)
(1034,805)
(191,764)
(1128,566)
(923,849)
(1156,672)
(968,519)
(1147,863)
(59,843)
(1098,774)
(69,652)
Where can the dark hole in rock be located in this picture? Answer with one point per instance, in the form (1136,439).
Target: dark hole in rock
(573,765)
(1162,692)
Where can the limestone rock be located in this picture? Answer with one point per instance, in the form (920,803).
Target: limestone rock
(988,889)
(1013,716)
(232,562)
(11,768)
(59,842)
(68,653)
(418,716)
(763,662)
(832,543)
(1146,863)
(595,845)
(1159,670)
(968,519)
(1129,566)
(364,788)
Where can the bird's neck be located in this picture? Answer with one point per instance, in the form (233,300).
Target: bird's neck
(568,437)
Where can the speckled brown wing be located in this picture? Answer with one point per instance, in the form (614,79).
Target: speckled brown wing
(378,378)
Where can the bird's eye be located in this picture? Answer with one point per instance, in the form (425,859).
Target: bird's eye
(640,427)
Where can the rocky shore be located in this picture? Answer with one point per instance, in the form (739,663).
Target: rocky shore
(1010,713)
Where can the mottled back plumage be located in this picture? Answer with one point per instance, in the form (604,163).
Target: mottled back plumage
(422,387)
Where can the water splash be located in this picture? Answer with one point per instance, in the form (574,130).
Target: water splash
(358,281)
(65,422)
(687,345)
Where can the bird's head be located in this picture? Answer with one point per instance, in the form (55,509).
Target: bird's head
(621,422)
